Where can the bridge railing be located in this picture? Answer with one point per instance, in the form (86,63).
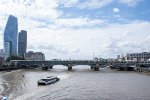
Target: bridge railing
(77,62)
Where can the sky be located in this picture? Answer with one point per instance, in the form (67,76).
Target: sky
(81,29)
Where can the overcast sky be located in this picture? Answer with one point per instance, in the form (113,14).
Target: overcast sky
(77,29)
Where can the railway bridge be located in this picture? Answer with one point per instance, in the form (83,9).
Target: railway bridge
(95,65)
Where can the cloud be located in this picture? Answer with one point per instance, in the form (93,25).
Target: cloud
(130,3)
(107,41)
(74,37)
(86,4)
(69,3)
(57,41)
(58,52)
(31,47)
(53,48)
(91,4)
(78,22)
(30,8)
(116,10)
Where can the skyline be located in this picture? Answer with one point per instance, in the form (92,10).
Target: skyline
(76,28)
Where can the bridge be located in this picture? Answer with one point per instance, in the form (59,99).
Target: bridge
(95,65)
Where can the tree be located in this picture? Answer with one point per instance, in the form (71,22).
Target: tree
(14,58)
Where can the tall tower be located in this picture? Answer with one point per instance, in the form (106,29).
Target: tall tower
(1,53)
(22,43)
(10,37)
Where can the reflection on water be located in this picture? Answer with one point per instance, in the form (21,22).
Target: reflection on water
(79,84)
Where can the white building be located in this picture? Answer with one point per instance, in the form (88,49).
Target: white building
(120,58)
(34,56)
(145,56)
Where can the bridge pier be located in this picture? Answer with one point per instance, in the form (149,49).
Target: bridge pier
(50,67)
(69,67)
(130,68)
(112,67)
(96,68)
(44,68)
(121,68)
(92,67)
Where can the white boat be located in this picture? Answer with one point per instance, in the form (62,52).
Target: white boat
(3,97)
(48,80)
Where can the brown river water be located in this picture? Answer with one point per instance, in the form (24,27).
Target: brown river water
(81,83)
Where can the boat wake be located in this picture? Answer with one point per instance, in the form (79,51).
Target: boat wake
(64,76)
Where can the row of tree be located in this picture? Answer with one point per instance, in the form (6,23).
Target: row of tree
(14,58)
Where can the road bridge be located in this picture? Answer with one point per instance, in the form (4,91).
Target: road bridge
(48,64)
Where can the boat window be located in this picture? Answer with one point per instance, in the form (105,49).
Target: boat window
(44,79)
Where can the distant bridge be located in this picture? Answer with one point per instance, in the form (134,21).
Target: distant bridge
(128,65)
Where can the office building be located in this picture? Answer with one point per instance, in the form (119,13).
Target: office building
(1,56)
(120,58)
(7,49)
(1,53)
(37,56)
(10,37)
(22,43)
(145,56)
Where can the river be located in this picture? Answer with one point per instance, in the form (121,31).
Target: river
(79,84)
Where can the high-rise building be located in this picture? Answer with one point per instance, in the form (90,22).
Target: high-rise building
(7,48)
(1,56)
(10,37)
(1,53)
(22,43)
(118,57)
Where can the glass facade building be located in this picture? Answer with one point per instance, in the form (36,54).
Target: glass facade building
(1,53)
(22,43)
(10,36)
(7,49)
(1,57)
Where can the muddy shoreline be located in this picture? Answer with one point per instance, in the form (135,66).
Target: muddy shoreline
(9,68)
(6,82)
